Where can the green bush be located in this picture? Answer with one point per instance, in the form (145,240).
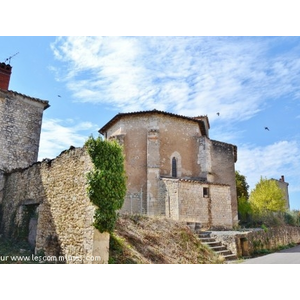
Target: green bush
(106,182)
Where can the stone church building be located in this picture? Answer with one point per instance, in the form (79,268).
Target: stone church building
(174,169)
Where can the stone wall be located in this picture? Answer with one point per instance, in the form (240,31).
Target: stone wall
(20,123)
(2,182)
(272,238)
(184,200)
(285,188)
(246,243)
(150,142)
(135,151)
(54,193)
(224,157)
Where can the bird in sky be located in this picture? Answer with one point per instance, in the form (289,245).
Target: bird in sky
(267,128)
(59,96)
(218,113)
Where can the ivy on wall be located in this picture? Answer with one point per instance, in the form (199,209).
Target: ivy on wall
(106,182)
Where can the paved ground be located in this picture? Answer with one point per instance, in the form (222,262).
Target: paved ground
(286,256)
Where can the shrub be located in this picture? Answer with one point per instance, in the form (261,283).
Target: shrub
(106,182)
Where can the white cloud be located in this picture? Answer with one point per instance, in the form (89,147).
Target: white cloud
(186,75)
(272,161)
(58,135)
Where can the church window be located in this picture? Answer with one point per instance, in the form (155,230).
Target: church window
(174,167)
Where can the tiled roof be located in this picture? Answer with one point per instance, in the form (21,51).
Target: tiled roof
(149,112)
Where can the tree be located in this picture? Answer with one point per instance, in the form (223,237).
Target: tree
(267,197)
(106,182)
(242,187)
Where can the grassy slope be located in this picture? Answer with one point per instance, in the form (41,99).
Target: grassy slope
(140,240)
(153,240)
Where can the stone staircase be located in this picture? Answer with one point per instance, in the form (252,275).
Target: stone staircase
(212,243)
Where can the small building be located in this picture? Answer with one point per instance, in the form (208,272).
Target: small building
(174,169)
(284,187)
(20,124)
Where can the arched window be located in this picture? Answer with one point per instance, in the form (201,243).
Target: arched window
(174,167)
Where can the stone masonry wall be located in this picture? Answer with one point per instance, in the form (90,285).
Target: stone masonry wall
(184,201)
(20,123)
(57,190)
(221,206)
(135,151)
(146,158)
(245,243)
(168,198)
(284,187)
(223,167)
(272,238)
(2,181)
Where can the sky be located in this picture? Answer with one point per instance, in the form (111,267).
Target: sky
(253,82)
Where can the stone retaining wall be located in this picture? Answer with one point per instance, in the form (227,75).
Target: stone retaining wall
(245,243)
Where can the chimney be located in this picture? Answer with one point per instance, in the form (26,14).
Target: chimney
(5,71)
(282,178)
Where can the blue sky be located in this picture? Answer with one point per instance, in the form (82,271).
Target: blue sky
(253,82)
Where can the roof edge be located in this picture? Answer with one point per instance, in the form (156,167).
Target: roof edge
(45,102)
(120,115)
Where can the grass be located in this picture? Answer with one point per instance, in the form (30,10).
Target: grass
(141,239)
(261,252)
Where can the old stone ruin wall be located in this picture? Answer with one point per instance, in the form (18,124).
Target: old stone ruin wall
(47,203)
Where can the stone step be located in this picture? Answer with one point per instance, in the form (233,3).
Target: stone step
(219,248)
(224,253)
(205,238)
(230,257)
(213,244)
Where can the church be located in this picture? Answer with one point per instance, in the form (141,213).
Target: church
(174,169)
